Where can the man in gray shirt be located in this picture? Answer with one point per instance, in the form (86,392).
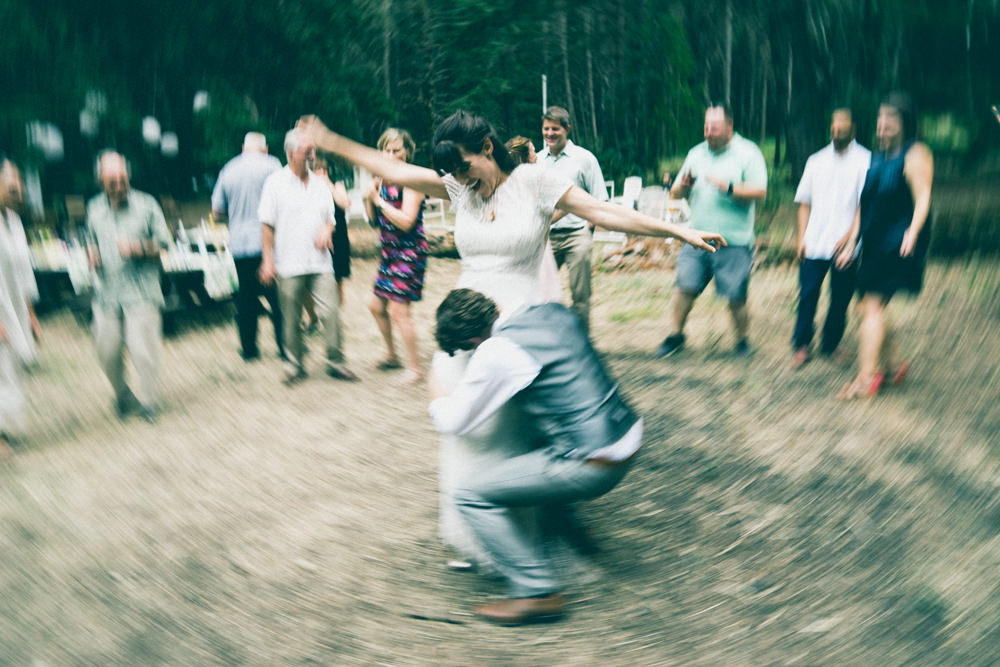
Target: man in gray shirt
(126,232)
(236,198)
(571,236)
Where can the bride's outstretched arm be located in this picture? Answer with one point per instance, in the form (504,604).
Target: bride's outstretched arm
(413,176)
(623,219)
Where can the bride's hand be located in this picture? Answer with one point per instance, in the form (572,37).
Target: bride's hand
(312,127)
(710,241)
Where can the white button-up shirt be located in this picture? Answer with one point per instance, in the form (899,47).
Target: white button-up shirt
(580,167)
(831,184)
(298,212)
(498,369)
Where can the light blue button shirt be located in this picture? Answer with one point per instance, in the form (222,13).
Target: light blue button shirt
(237,193)
(581,168)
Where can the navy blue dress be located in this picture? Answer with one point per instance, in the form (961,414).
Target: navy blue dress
(886,212)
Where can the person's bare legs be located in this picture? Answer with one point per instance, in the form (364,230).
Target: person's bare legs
(871,335)
(340,292)
(680,308)
(400,314)
(379,310)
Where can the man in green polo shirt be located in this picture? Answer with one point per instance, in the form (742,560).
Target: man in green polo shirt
(126,232)
(723,178)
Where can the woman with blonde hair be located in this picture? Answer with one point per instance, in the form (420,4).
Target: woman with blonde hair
(398,212)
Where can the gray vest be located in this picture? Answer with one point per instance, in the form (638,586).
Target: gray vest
(572,403)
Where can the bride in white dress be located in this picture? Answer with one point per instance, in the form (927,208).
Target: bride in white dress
(502,217)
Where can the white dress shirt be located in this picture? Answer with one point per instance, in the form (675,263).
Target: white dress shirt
(297,212)
(498,369)
(831,184)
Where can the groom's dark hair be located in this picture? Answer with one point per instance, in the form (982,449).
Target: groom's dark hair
(463,315)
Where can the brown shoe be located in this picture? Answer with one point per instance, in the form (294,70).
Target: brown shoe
(518,611)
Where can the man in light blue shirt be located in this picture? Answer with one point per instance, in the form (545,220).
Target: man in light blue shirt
(236,198)
(570,235)
(723,178)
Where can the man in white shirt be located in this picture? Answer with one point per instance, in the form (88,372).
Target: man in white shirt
(541,358)
(297,219)
(571,236)
(828,197)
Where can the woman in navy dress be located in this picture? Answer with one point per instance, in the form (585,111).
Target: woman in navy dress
(894,225)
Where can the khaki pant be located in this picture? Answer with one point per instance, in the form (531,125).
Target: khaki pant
(138,327)
(573,249)
(291,293)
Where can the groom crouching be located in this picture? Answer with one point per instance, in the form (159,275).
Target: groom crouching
(540,357)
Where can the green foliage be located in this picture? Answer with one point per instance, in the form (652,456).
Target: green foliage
(635,75)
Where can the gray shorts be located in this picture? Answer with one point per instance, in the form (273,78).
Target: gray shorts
(730,266)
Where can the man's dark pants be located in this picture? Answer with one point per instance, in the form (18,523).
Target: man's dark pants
(248,306)
(811,275)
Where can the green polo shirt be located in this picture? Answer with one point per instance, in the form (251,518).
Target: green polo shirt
(713,210)
(124,281)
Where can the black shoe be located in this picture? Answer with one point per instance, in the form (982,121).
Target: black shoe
(742,349)
(293,377)
(670,345)
(250,356)
(126,404)
(148,414)
(339,372)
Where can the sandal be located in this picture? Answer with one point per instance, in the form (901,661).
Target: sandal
(901,371)
(388,364)
(861,388)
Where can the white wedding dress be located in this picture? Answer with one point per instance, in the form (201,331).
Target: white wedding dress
(17,284)
(501,241)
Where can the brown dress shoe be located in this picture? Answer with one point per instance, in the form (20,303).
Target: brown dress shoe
(518,611)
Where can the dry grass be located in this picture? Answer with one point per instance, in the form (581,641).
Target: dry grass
(764,524)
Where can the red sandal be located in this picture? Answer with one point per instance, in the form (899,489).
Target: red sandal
(860,388)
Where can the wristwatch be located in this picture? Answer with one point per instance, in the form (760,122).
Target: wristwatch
(730,190)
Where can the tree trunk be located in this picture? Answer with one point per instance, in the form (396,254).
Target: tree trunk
(387,46)
(763,108)
(968,59)
(587,26)
(564,50)
(727,74)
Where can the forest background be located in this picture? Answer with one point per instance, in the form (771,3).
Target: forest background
(635,76)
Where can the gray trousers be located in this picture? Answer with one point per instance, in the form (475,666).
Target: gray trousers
(573,249)
(138,327)
(292,292)
(540,477)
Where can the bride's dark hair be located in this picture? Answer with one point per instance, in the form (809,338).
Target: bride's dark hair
(470,132)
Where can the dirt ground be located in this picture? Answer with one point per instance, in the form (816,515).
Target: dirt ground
(765,523)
